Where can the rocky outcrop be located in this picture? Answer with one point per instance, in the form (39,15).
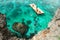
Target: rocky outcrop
(2,20)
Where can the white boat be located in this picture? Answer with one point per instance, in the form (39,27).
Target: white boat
(37,10)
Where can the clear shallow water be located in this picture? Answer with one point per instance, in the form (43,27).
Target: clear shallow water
(15,11)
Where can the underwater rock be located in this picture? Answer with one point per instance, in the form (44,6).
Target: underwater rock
(22,28)
(2,20)
(29,22)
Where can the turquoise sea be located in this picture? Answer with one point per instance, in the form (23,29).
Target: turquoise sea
(17,10)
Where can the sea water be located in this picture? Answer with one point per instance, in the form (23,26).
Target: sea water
(17,10)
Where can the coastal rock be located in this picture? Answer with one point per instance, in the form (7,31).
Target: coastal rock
(2,20)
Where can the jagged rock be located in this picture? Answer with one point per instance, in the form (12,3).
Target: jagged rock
(1,36)
(2,20)
(57,14)
(57,17)
(13,38)
(6,34)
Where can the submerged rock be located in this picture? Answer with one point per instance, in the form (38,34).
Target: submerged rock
(22,28)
